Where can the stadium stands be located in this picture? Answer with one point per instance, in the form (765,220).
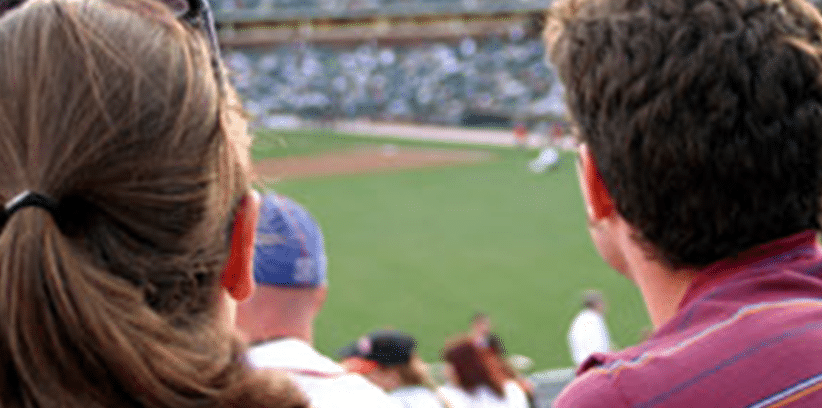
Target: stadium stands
(440,82)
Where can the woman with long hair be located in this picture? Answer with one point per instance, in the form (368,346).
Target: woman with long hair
(478,378)
(128,220)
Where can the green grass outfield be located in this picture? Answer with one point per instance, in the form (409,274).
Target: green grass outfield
(421,250)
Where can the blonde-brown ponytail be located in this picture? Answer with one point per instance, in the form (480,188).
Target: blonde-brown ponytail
(110,108)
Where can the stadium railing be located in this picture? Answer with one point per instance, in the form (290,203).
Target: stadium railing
(549,383)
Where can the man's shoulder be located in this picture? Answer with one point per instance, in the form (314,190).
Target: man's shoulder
(324,381)
(291,354)
(346,390)
(756,352)
(591,390)
(416,396)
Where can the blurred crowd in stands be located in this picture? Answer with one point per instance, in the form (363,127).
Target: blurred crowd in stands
(439,83)
(382,7)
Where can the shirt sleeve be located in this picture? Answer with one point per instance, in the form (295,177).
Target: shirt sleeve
(454,397)
(591,390)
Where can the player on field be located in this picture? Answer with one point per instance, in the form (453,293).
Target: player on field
(588,333)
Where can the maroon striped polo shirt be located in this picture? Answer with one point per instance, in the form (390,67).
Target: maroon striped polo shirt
(748,333)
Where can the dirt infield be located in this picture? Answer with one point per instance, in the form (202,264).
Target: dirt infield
(366,160)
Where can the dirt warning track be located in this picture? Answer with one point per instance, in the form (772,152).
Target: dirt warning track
(362,161)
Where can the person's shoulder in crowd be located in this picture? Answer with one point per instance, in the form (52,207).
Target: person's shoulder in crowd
(345,390)
(759,324)
(326,383)
(515,395)
(483,396)
(416,397)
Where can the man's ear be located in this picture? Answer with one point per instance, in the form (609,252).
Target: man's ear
(321,295)
(238,275)
(598,202)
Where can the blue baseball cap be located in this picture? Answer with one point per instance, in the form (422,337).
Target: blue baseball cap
(289,249)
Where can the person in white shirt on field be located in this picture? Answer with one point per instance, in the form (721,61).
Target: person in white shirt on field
(278,320)
(549,155)
(588,333)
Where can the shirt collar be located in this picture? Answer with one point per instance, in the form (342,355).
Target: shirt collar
(800,245)
(291,354)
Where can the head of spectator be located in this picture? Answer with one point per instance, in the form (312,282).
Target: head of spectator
(594,300)
(290,270)
(128,226)
(471,367)
(388,358)
(481,325)
(680,169)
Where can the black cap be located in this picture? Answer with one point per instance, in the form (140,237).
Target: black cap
(386,347)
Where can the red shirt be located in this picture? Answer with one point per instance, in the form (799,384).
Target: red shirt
(748,333)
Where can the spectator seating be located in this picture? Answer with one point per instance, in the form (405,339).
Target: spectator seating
(436,83)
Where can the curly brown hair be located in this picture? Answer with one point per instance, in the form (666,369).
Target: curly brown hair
(704,117)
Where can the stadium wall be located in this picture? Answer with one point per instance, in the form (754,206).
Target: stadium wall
(384,29)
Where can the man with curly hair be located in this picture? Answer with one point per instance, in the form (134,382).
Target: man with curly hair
(700,129)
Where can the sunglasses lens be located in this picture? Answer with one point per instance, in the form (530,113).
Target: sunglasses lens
(180,8)
(6,5)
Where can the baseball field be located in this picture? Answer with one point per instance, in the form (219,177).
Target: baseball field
(420,235)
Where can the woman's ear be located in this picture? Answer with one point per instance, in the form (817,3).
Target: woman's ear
(598,202)
(238,275)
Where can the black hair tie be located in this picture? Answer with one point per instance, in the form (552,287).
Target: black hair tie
(27,199)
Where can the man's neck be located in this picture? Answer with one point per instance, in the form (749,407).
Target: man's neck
(662,287)
(264,336)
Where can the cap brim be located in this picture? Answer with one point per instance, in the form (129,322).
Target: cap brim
(359,365)
(348,351)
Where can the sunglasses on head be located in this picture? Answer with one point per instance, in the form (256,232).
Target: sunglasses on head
(196,13)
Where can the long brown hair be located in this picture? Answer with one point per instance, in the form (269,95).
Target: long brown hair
(111,108)
(475,366)
(415,373)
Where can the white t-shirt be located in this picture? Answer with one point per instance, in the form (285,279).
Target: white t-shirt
(484,397)
(587,335)
(415,397)
(325,382)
